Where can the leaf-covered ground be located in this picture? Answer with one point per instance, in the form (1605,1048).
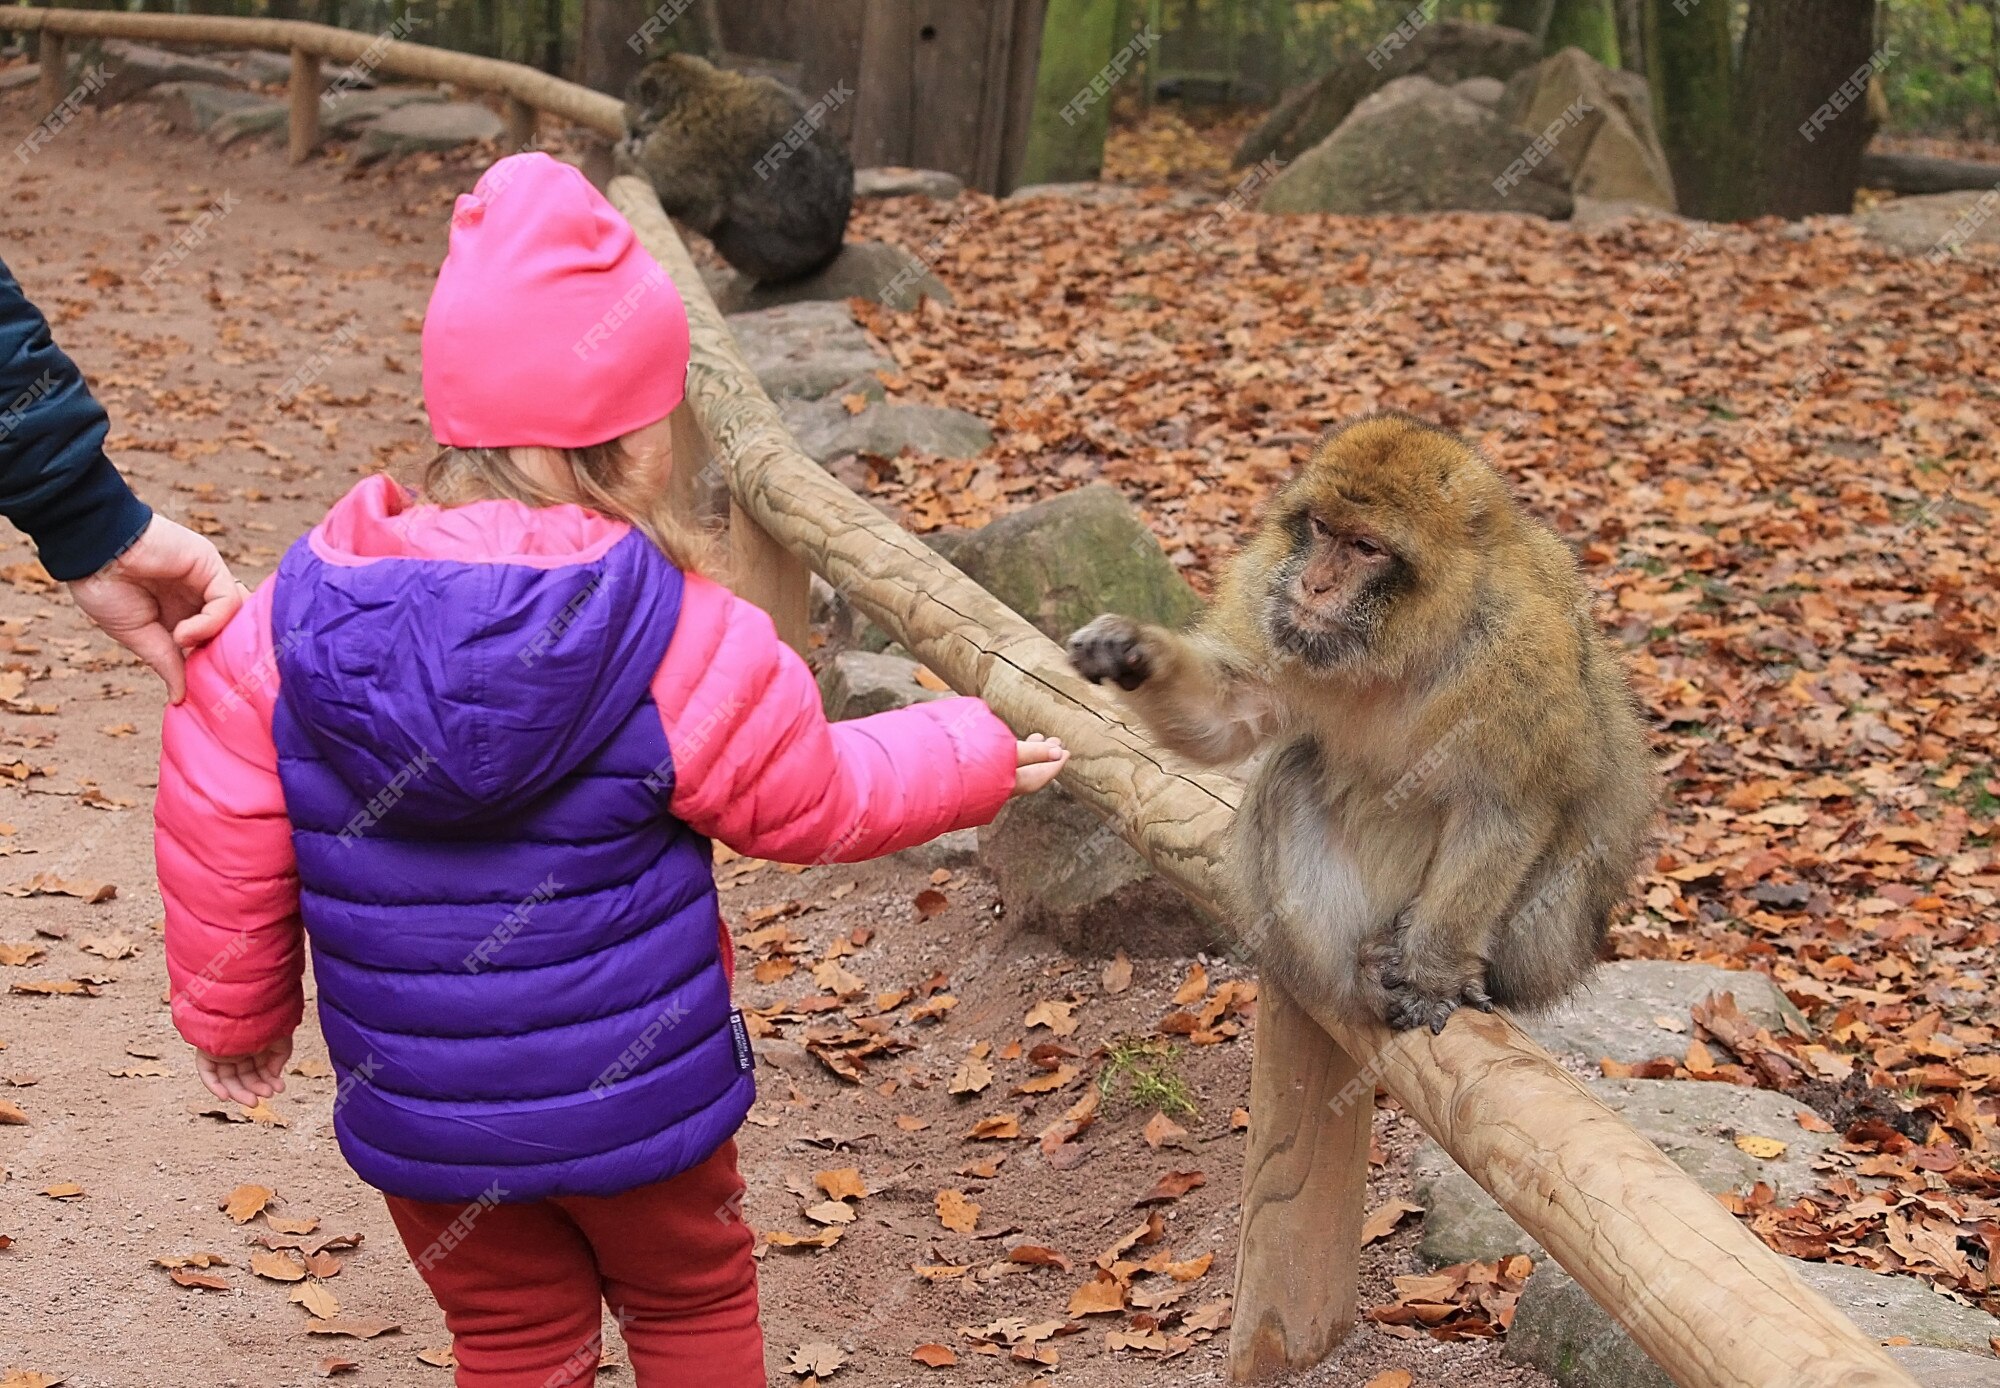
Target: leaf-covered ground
(1773,448)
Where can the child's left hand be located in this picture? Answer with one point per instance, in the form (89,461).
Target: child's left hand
(248,1079)
(1037,761)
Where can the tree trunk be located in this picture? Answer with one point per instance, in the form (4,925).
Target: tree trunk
(1802,93)
(1066,135)
(1587,24)
(1691,73)
(608,61)
(1632,35)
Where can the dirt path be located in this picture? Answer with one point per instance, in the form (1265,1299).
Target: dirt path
(306,275)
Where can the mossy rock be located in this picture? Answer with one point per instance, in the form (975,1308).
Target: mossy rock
(1063,561)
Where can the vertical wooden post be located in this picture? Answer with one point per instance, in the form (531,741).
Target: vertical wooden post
(304,128)
(52,82)
(1305,1187)
(764,572)
(692,458)
(521,121)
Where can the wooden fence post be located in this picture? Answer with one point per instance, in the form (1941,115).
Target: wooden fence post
(52,82)
(764,572)
(304,127)
(1305,1186)
(521,121)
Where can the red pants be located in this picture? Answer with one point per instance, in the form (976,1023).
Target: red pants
(520,1284)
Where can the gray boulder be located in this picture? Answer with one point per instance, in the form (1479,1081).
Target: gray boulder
(1487,91)
(892,181)
(855,684)
(1944,1368)
(1445,51)
(1062,561)
(26,75)
(1560,1330)
(1694,1124)
(1617,1014)
(863,270)
(265,118)
(1065,873)
(1612,153)
(421,127)
(349,110)
(1936,224)
(1417,147)
(263,68)
(806,350)
(826,430)
(195,108)
(139,67)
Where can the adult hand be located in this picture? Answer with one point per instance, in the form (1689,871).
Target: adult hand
(166,595)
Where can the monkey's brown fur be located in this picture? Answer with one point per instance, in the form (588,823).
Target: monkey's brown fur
(1457,788)
(713,143)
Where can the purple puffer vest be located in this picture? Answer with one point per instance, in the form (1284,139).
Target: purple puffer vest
(516,945)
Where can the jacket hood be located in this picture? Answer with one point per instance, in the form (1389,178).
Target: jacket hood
(452,663)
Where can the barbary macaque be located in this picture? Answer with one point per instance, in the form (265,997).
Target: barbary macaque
(742,160)
(1454,787)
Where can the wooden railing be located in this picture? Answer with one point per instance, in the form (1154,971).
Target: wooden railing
(1696,1290)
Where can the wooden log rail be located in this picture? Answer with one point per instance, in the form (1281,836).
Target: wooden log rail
(528,90)
(1696,1290)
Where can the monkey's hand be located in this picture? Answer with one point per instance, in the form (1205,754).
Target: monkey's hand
(1114,648)
(1425,991)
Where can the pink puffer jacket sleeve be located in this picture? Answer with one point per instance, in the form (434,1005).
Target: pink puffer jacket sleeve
(235,946)
(757,765)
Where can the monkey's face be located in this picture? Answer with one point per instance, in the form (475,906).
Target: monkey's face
(1356,542)
(1334,586)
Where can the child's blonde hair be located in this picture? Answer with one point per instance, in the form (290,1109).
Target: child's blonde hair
(603,484)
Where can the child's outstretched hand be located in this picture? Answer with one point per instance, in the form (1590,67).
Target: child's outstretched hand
(1037,761)
(248,1079)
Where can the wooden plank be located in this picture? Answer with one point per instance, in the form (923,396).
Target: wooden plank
(1695,1289)
(303,129)
(885,97)
(1306,1168)
(829,44)
(1025,48)
(692,457)
(948,46)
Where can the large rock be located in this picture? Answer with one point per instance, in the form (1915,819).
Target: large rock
(1062,561)
(1417,147)
(863,270)
(1612,153)
(1944,1368)
(1560,1330)
(1938,224)
(1445,51)
(196,108)
(805,350)
(139,67)
(416,128)
(891,181)
(26,75)
(855,684)
(1065,873)
(826,430)
(1487,91)
(1618,1013)
(351,109)
(1695,1124)
(261,67)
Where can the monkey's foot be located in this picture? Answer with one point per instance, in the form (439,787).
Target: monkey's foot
(1411,1006)
(1111,647)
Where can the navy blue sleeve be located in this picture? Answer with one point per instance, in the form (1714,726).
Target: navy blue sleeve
(55,482)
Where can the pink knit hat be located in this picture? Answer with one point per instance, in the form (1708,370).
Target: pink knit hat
(550,324)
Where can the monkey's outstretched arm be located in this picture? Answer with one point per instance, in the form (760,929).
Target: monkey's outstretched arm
(1184,688)
(1443,936)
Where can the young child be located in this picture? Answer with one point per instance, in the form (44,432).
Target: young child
(474,747)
